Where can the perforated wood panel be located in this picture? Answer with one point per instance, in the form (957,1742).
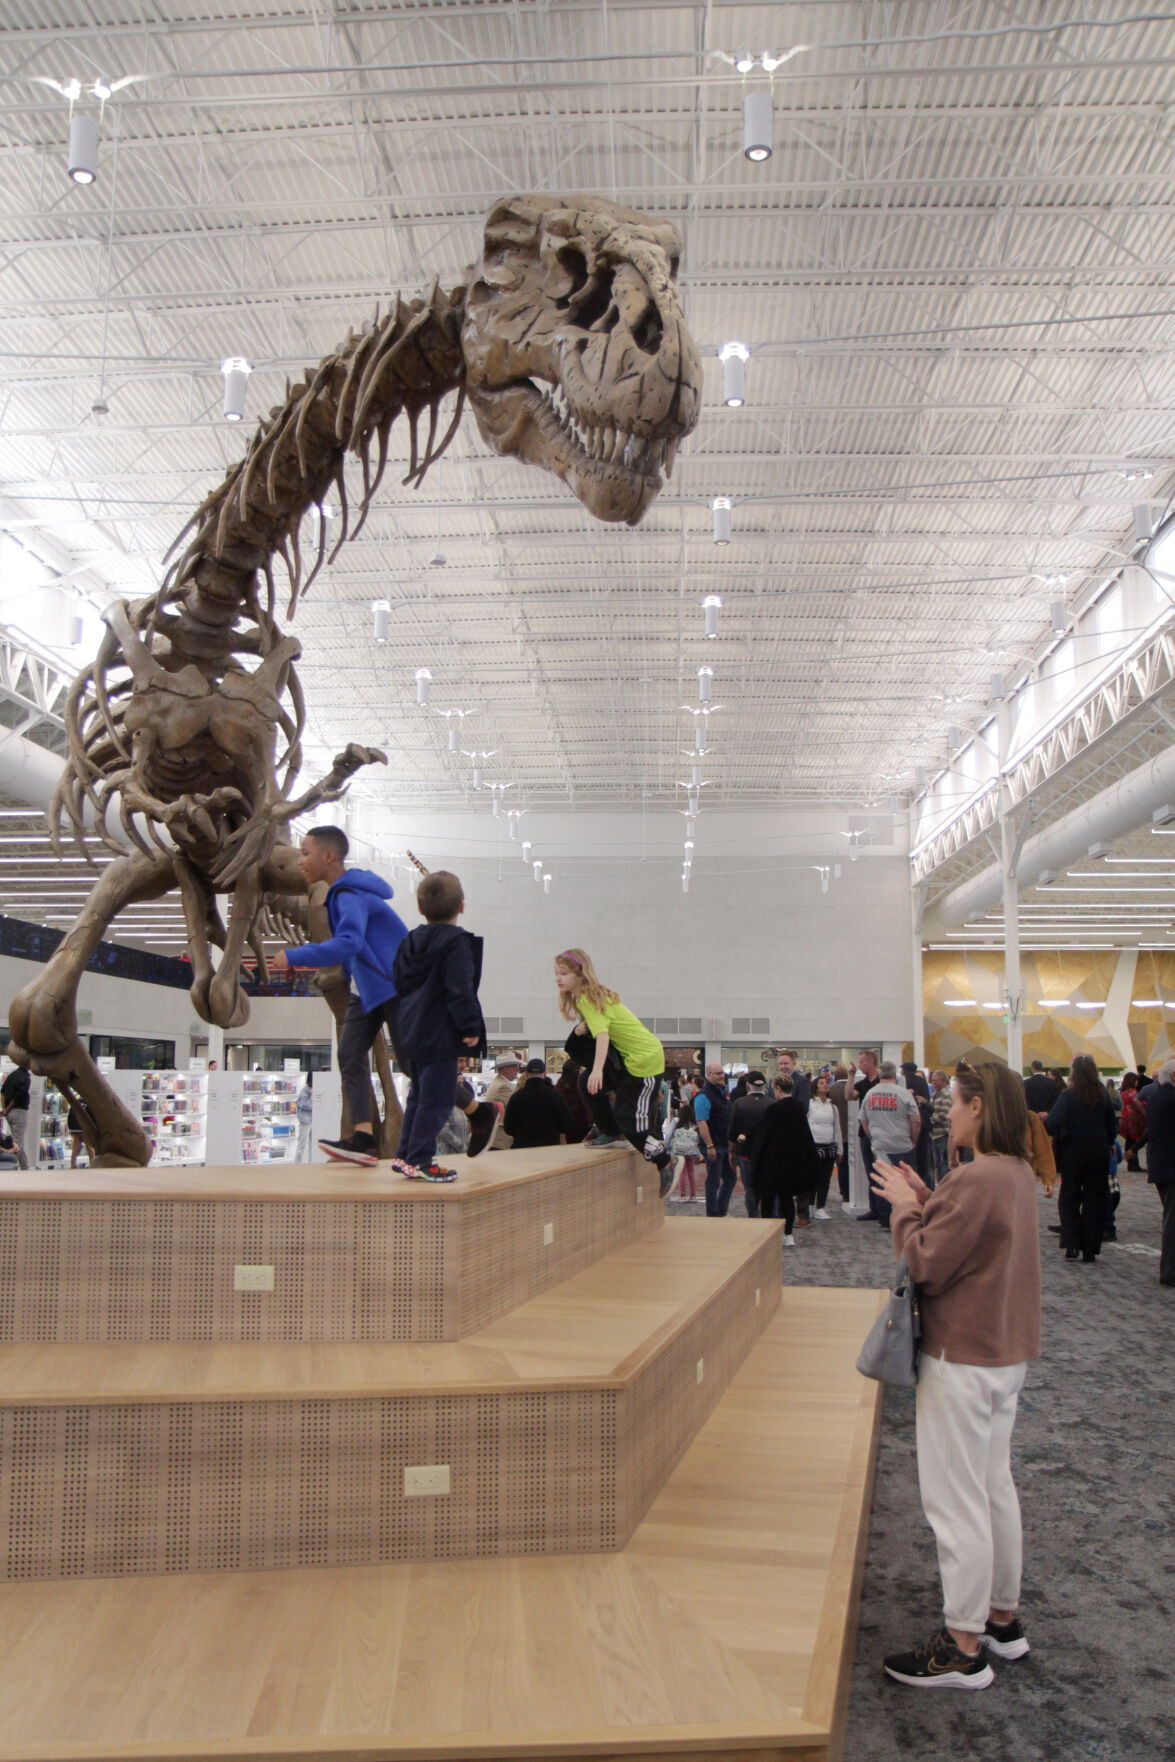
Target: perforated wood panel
(503,1259)
(664,1407)
(228,1486)
(99,1491)
(162,1269)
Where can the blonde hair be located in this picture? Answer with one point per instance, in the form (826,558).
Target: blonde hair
(577,961)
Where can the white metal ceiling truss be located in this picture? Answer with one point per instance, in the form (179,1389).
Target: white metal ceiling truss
(1132,687)
(953,274)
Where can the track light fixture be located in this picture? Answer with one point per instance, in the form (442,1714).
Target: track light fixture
(733,357)
(456,721)
(423,684)
(381,613)
(236,372)
(711,606)
(757,123)
(83,146)
(479,760)
(721,506)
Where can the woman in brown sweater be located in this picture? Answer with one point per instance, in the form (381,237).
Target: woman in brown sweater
(973,1248)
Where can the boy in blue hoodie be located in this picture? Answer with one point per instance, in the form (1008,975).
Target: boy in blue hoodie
(437,972)
(365,934)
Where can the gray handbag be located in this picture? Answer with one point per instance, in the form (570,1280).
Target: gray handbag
(890,1352)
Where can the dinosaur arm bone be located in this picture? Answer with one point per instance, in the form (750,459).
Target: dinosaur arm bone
(332,785)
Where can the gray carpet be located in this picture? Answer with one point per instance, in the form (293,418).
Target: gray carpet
(1094,1456)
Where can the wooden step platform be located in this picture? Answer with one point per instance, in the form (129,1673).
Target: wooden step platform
(724,1630)
(139,1255)
(558,1423)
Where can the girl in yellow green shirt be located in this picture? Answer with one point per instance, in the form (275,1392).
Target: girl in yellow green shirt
(623,1061)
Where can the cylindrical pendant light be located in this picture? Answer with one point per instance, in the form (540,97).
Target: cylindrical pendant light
(734,378)
(423,684)
(711,606)
(381,612)
(700,735)
(526,850)
(1058,617)
(454,738)
(546,884)
(236,372)
(705,682)
(83,146)
(721,506)
(538,869)
(757,121)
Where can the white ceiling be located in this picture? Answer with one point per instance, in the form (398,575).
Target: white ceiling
(954,274)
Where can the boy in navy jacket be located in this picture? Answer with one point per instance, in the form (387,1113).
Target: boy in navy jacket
(365,934)
(437,972)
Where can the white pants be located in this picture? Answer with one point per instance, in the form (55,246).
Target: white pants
(965,1417)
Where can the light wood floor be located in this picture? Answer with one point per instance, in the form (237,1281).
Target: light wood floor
(488,1173)
(722,1628)
(598,1327)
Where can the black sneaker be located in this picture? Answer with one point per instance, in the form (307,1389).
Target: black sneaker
(360,1147)
(484,1127)
(1006,1639)
(937,1663)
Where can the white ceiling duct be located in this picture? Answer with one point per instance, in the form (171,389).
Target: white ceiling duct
(1121,808)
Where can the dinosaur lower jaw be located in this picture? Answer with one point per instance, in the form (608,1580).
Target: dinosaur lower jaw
(613,472)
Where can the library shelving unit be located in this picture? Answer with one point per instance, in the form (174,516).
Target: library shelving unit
(269,1116)
(174,1111)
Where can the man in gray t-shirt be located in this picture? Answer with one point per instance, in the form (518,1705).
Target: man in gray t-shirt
(890,1117)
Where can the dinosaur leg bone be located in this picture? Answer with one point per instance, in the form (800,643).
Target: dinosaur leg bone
(43,1017)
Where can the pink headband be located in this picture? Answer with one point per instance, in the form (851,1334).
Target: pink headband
(570,959)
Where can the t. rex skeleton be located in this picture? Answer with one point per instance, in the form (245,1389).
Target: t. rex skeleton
(568,340)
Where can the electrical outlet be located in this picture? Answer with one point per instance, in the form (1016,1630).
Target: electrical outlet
(252,1278)
(701,1368)
(640,1195)
(548,1235)
(756,1296)
(421,1483)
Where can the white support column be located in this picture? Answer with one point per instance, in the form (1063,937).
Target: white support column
(917,908)
(216,1045)
(1009,859)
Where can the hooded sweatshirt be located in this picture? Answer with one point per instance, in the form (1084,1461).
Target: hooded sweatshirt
(365,934)
(438,970)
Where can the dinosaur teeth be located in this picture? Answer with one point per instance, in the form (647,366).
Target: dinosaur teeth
(670,456)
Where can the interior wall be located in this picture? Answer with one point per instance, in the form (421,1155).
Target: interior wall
(755,935)
(1116,1034)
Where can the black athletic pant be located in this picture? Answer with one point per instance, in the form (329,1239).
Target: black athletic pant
(1085,1179)
(358,1036)
(625,1106)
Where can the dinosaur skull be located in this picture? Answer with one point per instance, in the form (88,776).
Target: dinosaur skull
(576,351)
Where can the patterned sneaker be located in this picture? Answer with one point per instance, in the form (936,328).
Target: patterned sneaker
(360,1147)
(485,1124)
(399,1167)
(937,1663)
(1006,1639)
(434,1172)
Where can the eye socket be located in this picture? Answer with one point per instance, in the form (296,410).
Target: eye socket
(573,261)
